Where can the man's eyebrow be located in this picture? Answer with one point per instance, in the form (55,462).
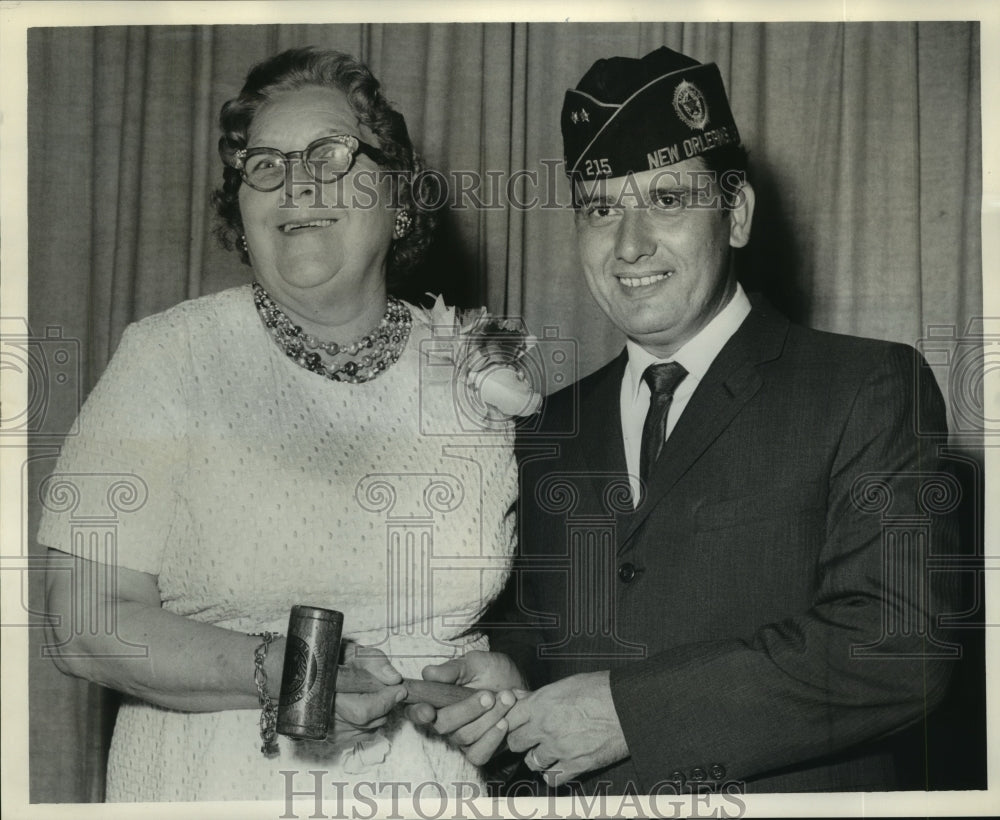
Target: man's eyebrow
(671,187)
(597,199)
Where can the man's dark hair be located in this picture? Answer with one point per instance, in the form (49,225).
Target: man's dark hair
(729,164)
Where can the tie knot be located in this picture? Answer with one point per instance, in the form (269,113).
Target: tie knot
(664,378)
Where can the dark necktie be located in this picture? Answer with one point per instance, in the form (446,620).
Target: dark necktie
(662,380)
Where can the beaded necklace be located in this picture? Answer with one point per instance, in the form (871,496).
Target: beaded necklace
(379,348)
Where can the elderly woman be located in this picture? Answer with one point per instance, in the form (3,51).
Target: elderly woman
(281,442)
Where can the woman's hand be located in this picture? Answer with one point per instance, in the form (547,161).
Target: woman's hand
(475,725)
(357,715)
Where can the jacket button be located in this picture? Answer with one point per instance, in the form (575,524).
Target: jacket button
(626,572)
(698,774)
(718,772)
(677,777)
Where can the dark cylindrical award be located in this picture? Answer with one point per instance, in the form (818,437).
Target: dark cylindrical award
(309,676)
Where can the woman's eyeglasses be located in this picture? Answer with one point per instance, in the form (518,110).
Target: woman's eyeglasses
(325,160)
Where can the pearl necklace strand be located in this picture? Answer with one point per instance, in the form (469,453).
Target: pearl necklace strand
(370,354)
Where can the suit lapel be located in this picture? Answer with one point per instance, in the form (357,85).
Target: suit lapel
(729,384)
(601,443)
(601,419)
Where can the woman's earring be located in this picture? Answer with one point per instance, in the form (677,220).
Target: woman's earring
(404,223)
(242,244)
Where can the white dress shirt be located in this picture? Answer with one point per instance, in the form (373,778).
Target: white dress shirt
(696,356)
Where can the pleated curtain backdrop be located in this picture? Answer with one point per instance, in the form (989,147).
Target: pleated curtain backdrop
(865,152)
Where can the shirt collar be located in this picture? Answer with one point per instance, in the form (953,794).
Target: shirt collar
(698,352)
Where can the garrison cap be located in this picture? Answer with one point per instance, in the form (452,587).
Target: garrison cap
(631,115)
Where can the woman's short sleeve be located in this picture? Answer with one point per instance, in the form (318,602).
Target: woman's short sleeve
(114,495)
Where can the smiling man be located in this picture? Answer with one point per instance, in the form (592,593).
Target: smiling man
(711,568)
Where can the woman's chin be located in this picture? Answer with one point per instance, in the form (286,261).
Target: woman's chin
(304,276)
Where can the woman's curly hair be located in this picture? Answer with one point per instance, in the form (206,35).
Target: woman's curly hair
(304,67)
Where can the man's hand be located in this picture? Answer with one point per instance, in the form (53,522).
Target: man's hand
(356,715)
(475,724)
(568,727)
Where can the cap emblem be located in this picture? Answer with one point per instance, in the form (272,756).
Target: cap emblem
(690,105)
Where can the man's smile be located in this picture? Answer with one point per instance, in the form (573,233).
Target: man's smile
(643,281)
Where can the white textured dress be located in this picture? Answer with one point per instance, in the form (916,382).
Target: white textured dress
(247,484)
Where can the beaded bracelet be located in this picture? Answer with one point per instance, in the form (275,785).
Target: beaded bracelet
(268,708)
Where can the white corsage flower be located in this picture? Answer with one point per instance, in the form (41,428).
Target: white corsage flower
(489,357)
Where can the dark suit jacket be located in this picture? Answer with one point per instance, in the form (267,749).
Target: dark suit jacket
(766,613)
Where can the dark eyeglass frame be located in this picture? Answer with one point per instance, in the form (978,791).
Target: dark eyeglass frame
(354,145)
